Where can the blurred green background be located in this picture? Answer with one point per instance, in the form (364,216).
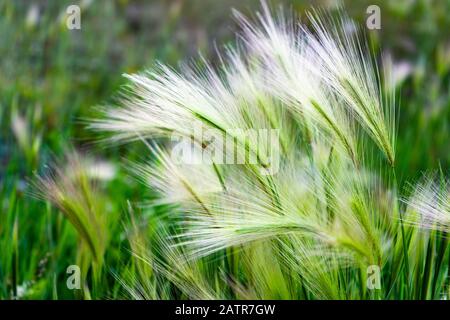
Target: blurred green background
(51,79)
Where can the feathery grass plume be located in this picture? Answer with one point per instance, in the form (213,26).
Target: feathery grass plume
(427,224)
(318,266)
(325,205)
(286,61)
(160,265)
(178,182)
(317,210)
(259,108)
(343,62)
(429,205)
(170,261)
(244,213)
(70,186)
(165,102)
(280,47)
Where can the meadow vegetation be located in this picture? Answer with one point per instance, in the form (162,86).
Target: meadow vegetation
(87,177)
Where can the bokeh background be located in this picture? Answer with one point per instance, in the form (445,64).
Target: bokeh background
(51,79)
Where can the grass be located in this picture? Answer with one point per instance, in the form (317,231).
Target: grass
(266,236)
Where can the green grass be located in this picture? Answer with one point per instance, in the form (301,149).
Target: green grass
(52,78)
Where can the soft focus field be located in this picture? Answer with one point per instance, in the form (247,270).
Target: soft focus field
(52,78)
